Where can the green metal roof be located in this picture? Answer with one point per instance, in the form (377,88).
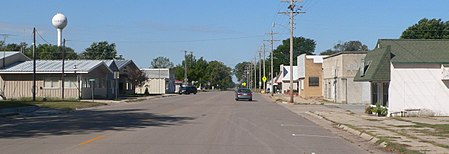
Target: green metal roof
(377,62)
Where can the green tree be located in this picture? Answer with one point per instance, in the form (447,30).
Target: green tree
(161,62)
(239,70)
(100,50)
(346,46)
(51,52)
(198,71)
(281,55)
(219,75)
(427,29)
(179,72)
(12,46)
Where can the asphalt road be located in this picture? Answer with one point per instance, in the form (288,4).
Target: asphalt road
(204,123)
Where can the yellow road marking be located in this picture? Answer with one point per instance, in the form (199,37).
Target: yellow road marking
(91,140)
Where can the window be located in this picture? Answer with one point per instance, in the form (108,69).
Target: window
(51,82)
(314,81)
(70,82)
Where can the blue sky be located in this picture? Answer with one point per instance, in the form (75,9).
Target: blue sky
(230,31)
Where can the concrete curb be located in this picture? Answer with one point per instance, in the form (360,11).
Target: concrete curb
(370,138)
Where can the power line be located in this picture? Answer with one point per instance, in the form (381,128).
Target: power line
(178,41)
(42,37)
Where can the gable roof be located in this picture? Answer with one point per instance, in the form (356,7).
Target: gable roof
(7,54)
(111,64)
(122,63)
(54,66)
(417,51)
(377,62)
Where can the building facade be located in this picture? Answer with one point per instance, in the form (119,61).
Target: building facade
(83,78)
(339,71)
(409,75)
(160,81)
(310,75)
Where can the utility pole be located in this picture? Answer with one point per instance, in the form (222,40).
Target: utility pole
(185,66)
(248,75)
(34,64)
(271,58)
(62,77)
(260,69)
(292,12)
(255,72)
(263,63)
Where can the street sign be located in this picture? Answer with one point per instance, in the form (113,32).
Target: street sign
(91,80)
(264,79)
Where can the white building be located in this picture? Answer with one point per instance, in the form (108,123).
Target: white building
(160,81)
(283,80)
(409,76)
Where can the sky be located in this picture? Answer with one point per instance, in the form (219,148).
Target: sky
(230,31)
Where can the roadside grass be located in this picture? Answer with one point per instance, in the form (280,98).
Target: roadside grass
(11,104)
(440,130)
(66,104)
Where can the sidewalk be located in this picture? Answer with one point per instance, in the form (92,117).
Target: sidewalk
(418,134)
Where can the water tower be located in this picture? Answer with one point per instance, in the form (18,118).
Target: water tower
(59,21)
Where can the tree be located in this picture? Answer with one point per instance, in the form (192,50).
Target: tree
(427,29)
(346,46)
(329,52)
(137,77)
(101,50)
(51,52)
(12,46)
(281,55)
(179,72)
(239,70)
(219,75)
(198,71)
(161,62)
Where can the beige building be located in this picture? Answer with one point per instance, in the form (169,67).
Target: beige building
(160,81)
(81,77)
(339,71)
(309,74)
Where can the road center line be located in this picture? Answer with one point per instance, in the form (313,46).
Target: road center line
(91,140)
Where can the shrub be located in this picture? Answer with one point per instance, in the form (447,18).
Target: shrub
(379,110)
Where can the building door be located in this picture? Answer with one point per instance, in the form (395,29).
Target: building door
(385,93)
(374,92)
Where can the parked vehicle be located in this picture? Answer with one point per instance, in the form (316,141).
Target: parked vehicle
(243,93)
(188,90)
